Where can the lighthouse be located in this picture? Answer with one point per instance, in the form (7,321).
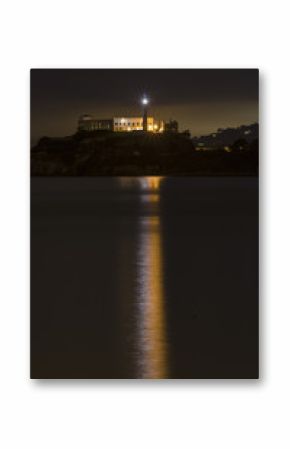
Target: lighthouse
(145,102)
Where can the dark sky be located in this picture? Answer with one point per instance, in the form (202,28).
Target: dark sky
(201,100)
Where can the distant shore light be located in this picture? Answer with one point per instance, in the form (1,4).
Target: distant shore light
(145,100)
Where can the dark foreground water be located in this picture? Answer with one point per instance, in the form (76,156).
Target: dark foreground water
(144,277)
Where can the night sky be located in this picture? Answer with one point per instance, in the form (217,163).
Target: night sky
(200,100)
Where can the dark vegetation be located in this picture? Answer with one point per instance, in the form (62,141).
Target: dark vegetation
(137,154)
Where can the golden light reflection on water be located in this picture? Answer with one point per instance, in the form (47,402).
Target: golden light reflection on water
(151,325)
(145,183)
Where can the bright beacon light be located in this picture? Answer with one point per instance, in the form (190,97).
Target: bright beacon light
(145,100)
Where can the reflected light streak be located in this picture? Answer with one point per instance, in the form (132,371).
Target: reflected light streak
(150,184)
(151,341)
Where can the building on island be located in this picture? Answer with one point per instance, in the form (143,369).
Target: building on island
(126,124)
(88,123)
(171,126)
(119,124)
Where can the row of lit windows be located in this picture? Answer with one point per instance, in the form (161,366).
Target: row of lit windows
(128,128)
(128,124)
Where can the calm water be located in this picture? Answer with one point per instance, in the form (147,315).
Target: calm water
(144,277)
